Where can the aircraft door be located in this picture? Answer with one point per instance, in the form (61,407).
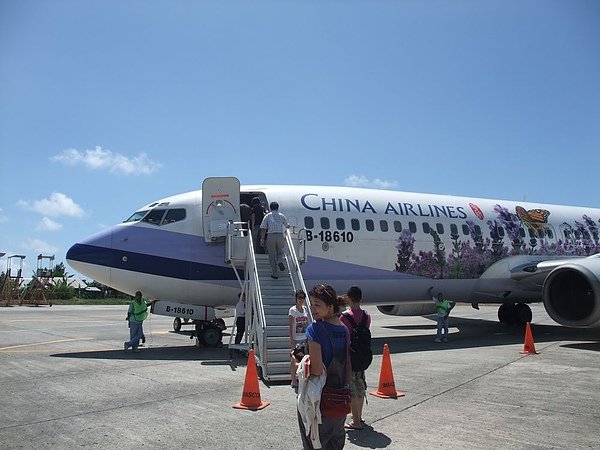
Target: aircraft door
(220,205)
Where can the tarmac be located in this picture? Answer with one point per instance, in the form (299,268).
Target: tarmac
(65,382)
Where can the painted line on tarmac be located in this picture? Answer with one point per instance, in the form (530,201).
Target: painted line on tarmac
(44,343)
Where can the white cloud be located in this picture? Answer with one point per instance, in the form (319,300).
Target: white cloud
(39,246)
(362,181)
(57,205)
(48,225)
(101,159)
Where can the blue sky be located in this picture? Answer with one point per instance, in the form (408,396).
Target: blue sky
(108,105)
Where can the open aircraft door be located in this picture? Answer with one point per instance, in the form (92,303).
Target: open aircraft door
(220,205)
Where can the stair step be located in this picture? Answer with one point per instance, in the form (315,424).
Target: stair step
(279,377)
(279,354)
(277,310)
(278,342)
(278,331)
(277,320)
(279,367)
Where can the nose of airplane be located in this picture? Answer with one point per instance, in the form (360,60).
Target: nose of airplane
(92,257)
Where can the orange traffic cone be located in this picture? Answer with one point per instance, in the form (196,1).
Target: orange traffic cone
(529,347)
(251,393)
(387,388)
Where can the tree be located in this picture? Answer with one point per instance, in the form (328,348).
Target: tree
(60,270)
(62,290)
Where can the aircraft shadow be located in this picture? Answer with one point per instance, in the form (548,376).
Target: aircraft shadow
(591,346)
(206,355)
(474,333)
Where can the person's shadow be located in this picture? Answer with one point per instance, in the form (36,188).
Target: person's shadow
(368,437)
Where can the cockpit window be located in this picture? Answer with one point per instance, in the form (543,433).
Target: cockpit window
(174,215)
(159,216)
(137,216)
(154,217)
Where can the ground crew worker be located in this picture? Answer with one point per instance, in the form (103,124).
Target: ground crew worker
(240,314)
(136,314)
(442,308)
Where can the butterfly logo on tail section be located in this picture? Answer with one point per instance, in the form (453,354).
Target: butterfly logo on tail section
(534,219)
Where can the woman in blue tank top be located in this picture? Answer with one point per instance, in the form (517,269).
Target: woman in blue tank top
(327,345)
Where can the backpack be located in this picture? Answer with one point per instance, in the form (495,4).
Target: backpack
(361,354)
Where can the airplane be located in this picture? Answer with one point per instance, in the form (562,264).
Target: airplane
(392,244)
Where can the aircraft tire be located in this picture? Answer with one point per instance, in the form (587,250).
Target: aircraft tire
(210,336)
(522,314)
(177,324)
(506,313)
(220,323)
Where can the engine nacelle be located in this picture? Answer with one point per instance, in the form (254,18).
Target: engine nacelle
(408,309)
(572,293)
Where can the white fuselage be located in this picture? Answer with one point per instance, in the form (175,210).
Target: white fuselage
(394,245)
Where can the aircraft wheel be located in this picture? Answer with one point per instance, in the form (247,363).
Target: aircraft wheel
(177,324)
(220,323)
(506,313)
(522,314)
(210,336)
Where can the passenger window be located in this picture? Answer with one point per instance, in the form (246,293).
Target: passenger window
(412,227)
(465,229)
(325,223)
(501,232)
(340,223)
(426,228)
(309,222)
(477,230)
(370,225)
(586,234)
(355,224)
(154,217)
(522,232)
(440,228)
(531,233)
(549,233)
(397,226)
(453,228)
(383,225)
(174,215)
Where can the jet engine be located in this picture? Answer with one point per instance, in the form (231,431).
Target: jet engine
(408,309)
(572,293)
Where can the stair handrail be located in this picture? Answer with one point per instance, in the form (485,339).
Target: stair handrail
(255,329)
(295,272)
(258,327)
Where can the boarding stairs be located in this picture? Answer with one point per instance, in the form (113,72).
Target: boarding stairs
(268,300)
